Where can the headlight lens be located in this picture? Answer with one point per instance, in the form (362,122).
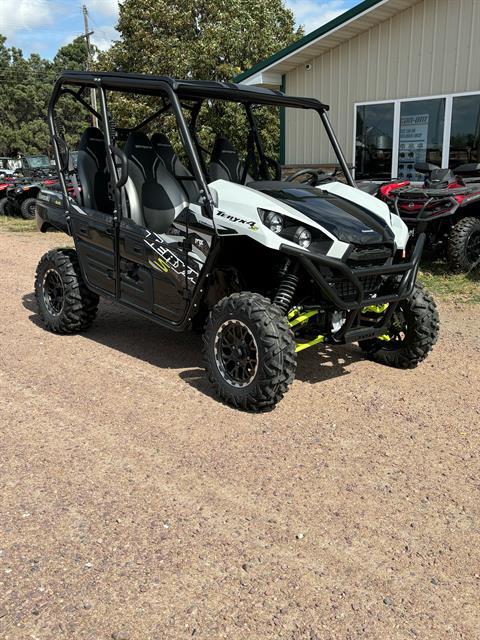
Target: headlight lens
(273,221)
(303,237)
(19,190)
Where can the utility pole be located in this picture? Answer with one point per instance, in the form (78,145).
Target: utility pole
(93,95)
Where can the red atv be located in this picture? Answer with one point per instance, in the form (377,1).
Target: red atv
(5,183)
(447,205)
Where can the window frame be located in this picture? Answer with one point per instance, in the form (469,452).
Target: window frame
(397,105)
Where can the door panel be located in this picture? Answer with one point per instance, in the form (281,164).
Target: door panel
(94,240)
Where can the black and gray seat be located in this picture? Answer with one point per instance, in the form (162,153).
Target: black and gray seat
(172,162)
(225,163)
(155,197)
(92,171)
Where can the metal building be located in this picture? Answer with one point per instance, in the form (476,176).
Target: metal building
(402,78)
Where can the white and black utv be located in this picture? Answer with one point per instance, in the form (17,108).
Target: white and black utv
(191,238)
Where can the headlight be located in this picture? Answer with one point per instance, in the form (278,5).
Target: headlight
(19,190)
(303,237)
(273,221)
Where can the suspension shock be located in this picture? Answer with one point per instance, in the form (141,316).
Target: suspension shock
(286,291)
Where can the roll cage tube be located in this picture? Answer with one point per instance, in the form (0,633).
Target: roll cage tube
(54,136)
(336,146)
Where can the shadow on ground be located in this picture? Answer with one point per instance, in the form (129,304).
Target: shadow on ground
(138,337)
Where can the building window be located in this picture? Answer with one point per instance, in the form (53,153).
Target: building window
(391,137)
(421,135)
(374,141)
(465,131)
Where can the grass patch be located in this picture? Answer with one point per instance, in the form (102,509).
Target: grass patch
(17,224)
(451,287)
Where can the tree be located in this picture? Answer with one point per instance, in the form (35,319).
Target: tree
(207,40)
(26,89)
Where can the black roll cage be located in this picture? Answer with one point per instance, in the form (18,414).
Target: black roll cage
(178,93)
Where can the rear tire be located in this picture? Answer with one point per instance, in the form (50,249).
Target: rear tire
(413,332)
(463,249)
(65,305)
(249,351)
(28,208)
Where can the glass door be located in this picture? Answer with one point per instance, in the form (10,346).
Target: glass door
(421,136)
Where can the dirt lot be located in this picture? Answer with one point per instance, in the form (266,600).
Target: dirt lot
(135,505)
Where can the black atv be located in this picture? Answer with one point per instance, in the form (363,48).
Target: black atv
(268,266)
(35,173)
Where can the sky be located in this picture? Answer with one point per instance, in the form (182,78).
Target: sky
(42,26)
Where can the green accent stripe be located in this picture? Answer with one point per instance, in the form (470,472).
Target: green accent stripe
(313,35)
(281,155)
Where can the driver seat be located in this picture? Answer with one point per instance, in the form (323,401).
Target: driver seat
(172,162)
(92,171)
(225,163)
(155,197)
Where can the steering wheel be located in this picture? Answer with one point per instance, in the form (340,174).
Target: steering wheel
(316,176)
(276,166)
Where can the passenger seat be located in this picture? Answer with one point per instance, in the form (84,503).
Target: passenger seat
(225,163)
(154,195)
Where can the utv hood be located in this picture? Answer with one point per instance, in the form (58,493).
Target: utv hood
(344,219)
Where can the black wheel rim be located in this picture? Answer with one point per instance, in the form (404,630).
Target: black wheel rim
(31,209)
(397,331)
(473,248)
(236,353)
(53,293)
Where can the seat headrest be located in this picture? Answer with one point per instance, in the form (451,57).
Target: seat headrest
(139,150)
(165,150)
(93,142)
(161,140)
(137,141)
(220,147)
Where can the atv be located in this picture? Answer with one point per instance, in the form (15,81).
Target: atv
(22,195)
(449,202)
(193,237)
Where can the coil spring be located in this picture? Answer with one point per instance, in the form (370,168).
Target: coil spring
(112,128)
(60,127)
(286,291)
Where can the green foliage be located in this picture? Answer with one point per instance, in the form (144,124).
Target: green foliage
(26,89)
(212,40)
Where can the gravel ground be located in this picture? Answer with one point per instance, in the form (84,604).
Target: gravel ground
(136,506)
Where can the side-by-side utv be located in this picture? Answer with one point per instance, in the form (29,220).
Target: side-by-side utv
(193,237)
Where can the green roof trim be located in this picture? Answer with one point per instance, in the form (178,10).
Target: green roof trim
(313,35)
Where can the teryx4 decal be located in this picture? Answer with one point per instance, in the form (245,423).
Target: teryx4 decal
(168,261)
(251,224)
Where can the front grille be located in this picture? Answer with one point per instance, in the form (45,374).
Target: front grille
(347,291)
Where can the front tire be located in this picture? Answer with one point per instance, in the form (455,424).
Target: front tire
(413,333)
(3,207)
(65,305)
(249,351)
(28,208)
(464,244)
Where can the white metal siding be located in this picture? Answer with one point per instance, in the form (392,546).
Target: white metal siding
(430,48)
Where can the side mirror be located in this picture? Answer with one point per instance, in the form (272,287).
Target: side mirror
(123,177)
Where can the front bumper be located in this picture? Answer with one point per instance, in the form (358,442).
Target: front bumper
(400,287)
